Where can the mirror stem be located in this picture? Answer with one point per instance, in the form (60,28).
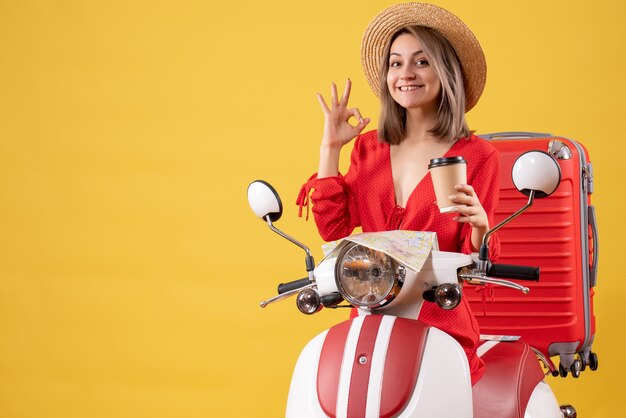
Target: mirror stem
(483,256)
(310,262)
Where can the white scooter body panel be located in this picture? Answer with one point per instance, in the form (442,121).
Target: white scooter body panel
(302,400)
(543,403)
(443,387)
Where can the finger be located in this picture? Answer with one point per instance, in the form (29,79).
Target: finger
(467,210)
(465,219)
(465,188)
(333,94)
(358,128)
(464,199)
(323,103)
(355,112)
(346,93)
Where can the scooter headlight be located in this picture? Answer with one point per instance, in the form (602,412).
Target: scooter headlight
(366,277)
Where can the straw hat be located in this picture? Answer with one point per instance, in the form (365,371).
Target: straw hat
(390,20)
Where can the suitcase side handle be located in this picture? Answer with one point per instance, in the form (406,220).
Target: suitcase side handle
(515,134)
(593,269)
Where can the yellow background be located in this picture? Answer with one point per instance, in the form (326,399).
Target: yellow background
(130,265)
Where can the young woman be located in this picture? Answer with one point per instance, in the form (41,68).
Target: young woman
(428,70)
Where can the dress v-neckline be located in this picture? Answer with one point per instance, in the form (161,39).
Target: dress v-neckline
(419,183)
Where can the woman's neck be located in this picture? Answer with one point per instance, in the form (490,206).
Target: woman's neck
(418,125)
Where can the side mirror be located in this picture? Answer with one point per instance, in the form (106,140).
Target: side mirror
(264,200)
(535,174)
(265,203)
(538,171)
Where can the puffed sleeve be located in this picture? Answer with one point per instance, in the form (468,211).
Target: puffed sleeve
(486,184)
(334,200)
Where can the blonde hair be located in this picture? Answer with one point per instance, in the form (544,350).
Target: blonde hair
(451,124)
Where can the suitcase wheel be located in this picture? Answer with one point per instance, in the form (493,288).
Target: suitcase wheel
(583,361)
(562,371)
(575,369)
(593,361)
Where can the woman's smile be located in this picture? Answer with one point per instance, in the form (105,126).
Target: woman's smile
(410,88)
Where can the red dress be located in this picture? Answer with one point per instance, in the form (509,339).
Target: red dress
(365,198)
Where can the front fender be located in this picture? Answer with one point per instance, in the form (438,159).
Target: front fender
(381,366)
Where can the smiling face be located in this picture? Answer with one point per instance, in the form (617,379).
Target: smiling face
(421,73)
(411,80)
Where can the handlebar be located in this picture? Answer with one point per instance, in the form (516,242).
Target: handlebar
(296,284)
(511,271)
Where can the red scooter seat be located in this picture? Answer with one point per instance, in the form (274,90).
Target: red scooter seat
(512,373)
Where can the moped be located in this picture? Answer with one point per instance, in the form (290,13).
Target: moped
(386,363)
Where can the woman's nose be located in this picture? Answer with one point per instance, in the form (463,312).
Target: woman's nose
(407,74)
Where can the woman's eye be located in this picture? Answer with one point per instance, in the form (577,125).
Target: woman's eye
(394,64)
(421,62)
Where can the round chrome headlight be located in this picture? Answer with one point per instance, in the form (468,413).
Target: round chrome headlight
(366,277)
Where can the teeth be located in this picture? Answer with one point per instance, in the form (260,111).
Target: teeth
(409,88)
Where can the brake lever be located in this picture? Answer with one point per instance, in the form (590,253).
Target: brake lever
(285,295)
(479,279)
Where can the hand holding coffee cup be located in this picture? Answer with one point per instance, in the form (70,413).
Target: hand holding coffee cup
(446,173)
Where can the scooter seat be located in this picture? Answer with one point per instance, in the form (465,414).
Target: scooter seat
(512,372)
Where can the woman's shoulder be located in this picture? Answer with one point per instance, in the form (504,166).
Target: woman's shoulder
(368,142)
(476,147)
(369,138)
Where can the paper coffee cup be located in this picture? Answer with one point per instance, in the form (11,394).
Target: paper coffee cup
(445,174)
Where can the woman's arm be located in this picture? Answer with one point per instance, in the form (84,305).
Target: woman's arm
(334,199)
(334,211)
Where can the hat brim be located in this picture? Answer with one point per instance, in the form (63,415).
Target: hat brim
(394,18)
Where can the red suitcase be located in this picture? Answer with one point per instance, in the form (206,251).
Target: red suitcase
(558,234)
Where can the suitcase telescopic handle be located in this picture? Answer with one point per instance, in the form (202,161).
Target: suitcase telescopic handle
(511,271)
(515,134)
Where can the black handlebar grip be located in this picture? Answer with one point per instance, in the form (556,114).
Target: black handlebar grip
(296,284)
(511,271)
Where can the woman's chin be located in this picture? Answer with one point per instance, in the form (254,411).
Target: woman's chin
(418,105)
